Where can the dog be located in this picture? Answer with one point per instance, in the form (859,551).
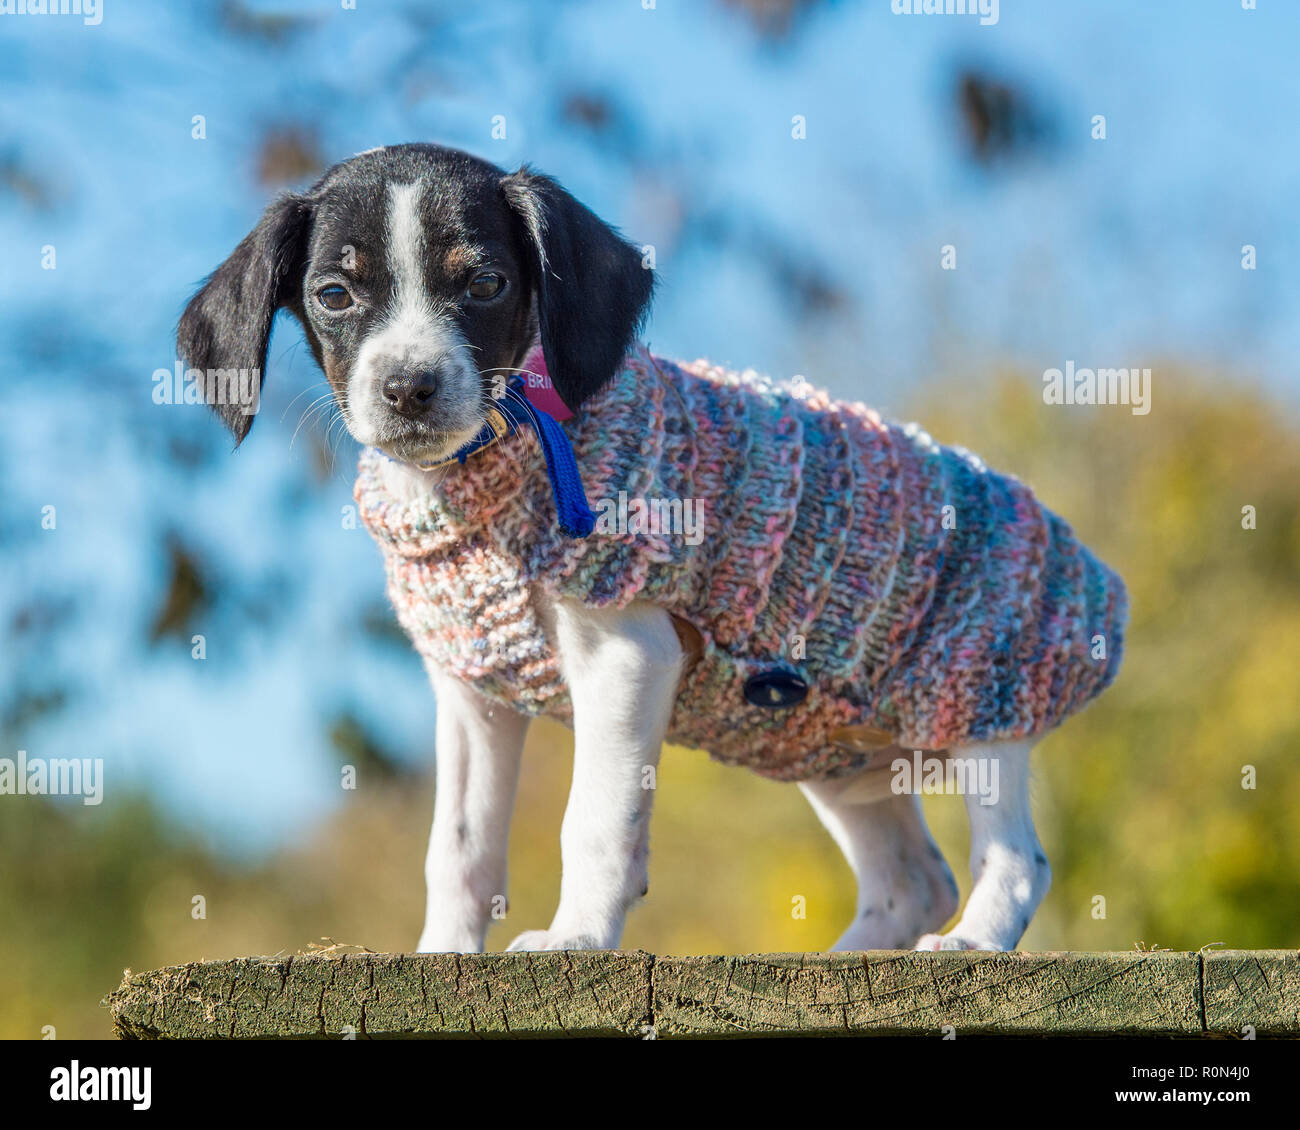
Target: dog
(438,294)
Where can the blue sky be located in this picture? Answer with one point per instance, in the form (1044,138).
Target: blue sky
(1118,252)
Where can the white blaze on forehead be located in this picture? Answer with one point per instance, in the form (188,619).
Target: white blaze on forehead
(412,335)
(406,244)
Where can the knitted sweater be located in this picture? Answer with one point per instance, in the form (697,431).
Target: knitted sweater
(912,589)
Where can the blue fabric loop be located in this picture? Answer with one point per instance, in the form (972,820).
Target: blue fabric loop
(576,517)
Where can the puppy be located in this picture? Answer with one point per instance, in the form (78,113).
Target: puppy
(864,612)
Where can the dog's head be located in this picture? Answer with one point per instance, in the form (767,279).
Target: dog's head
(421,275)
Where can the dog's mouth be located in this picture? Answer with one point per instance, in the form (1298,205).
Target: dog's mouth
(423,446)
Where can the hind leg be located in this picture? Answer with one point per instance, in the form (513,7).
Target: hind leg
(904,886)
(1006,861)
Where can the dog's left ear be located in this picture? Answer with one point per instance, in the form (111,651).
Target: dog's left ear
(592,289)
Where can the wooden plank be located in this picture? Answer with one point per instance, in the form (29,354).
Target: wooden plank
(631,994)
(389,996)
(959,993)
(1252,992)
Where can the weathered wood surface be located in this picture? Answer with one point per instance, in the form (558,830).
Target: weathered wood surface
(922,994)
(602,993)
(635,994)
(1256,989)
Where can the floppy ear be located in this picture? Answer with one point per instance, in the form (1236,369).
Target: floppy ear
(227,324)
(592,291)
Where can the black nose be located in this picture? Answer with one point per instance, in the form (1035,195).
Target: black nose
(408,394)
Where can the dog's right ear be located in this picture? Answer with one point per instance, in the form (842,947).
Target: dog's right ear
(227,325)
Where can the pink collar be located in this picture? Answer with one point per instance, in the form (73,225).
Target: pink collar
(538,387)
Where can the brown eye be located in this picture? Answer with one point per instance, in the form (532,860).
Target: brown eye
(487,285)
(334,297)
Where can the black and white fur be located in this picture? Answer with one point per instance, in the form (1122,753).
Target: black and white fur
(420,274)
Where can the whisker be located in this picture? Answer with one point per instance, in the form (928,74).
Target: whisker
(341,420)
(508,369)
(288,350)
(309,388)
(523,403)
(311,410)
(311,418)
(334,449)
(529,410)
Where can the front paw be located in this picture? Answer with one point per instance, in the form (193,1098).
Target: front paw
(437,940)
(547,940)
(938,942)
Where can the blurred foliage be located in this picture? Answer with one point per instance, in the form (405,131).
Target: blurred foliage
(1000,119)
(246,21)
(775,20)
(288,155)
(187,593)
(1139,799)
(15,177)
(357,747)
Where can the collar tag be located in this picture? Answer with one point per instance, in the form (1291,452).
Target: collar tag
(539,390)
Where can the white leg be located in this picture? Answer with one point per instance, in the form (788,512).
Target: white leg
(1007,863)
(622,669)
(479,747)
(904,886)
